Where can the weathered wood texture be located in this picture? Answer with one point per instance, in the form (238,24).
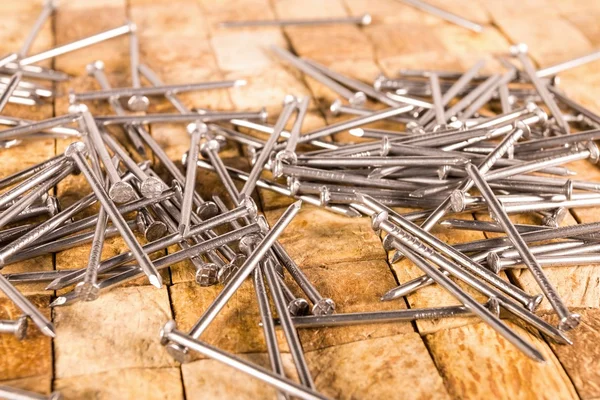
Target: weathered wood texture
(109,348)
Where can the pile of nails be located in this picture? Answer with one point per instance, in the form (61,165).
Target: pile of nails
(456,132)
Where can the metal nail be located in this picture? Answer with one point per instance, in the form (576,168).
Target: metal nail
(18,327)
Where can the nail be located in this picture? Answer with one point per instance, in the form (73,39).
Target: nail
(10,393)
(191,251)
(210,150)
(282,189)
(453,91)
(135,102)
(170,335)
(142,92)
(297,306)
(23,130)
(382,317)
(152,229)
(78,44)
(18,328)
(75,151)
(575,62)
(353,83)
(25,201)
(248,208)
(12,195)
(321,305)
(268,326)
(150,187)
(285,319)
(338,108)
(448,16)
(520,51)
(26,307)
(355,98)
(196,131)
(590,115)
(96,69)
(119,190)
(366,162)
(531,302)
(363,20)
(269,130)
(288,108)
(178,118)
(28,172)
(380,222)
(568,320)
(9,89)
(236,281)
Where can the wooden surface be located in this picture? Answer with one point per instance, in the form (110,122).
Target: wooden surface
(109,348)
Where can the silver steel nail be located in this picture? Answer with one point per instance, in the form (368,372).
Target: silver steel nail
(531,302)
(356,98)
(454,90)
(269,130)
(289,330)
(365,162)
(231,287)
(364,19)
(10,213)
(353,123)
(178,118)
(9,89)
(266,318)
(452,287)
(520,51)
(119,191)
(288,108)
(210,150)
(150,187)
(321,305)
(282,189)
(96,69)
(23,130)
(10,393)
(196,131)
(76,45)
(170,335)
(575,62)
(26,307)
(135,102)
(75,151)
(142,92)
(568,320)
(380,317)
(353,83)
(47,10)
(448,16)
(43,175)
(18,327)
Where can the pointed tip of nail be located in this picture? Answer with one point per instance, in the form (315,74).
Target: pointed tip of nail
(240,82)
(59,301)
(358,132)
(52,286)
(156,281)
(297,204)
(375,175)
(537,356)
(49,330)
(388,296)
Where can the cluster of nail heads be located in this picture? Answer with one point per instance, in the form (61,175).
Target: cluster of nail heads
(455,132)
